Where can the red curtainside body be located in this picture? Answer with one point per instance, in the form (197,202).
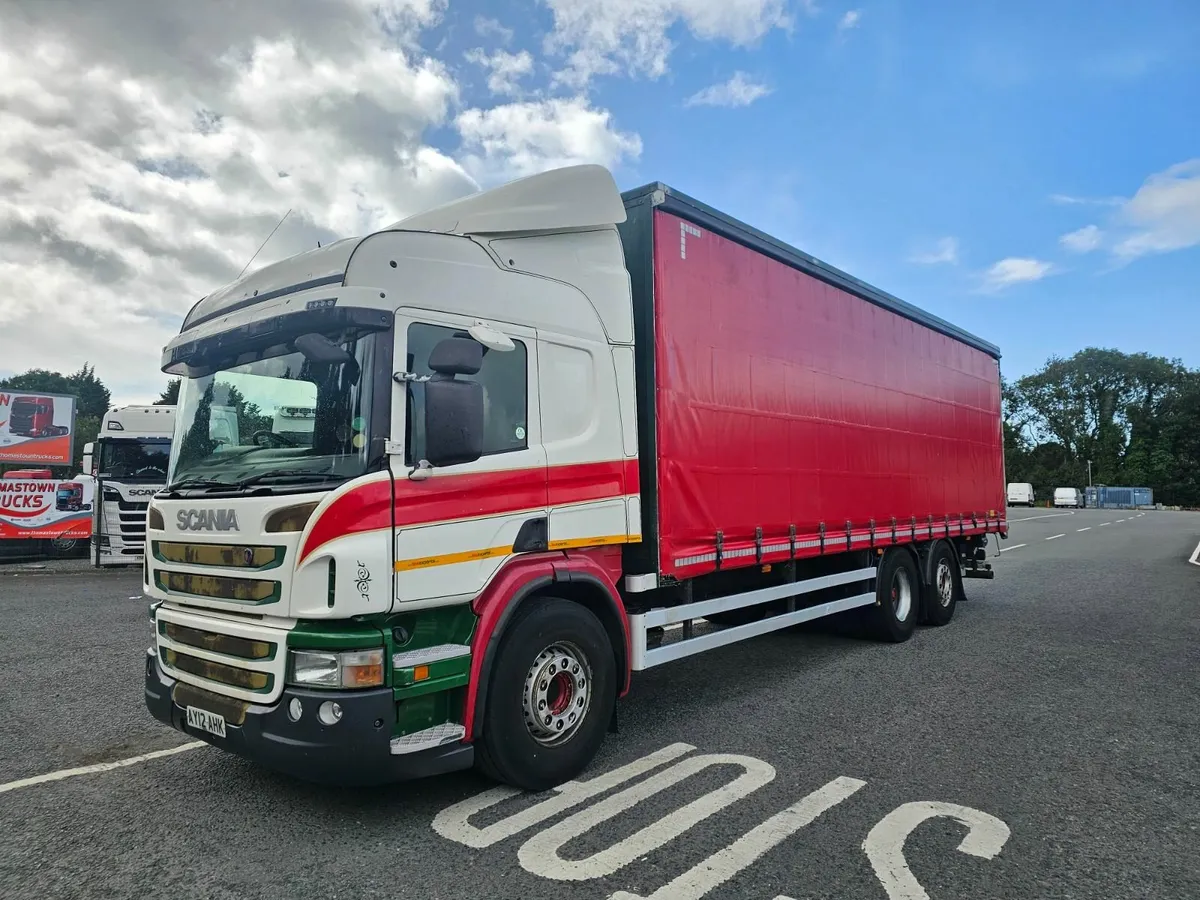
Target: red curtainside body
(796,410)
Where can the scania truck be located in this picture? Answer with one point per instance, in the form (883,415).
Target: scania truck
(560,435)
(129,458)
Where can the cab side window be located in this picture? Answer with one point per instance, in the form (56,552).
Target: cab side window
(505,381)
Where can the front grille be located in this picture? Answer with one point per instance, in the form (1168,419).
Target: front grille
(185,695)
(242,590)
(228,556)
(245,679)
(125,505)
(226,644)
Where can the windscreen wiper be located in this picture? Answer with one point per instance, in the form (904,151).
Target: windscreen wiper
(288,475)
(196,481)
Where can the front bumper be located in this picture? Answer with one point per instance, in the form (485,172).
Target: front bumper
(354,752)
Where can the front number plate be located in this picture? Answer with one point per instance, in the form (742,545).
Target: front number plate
(206,721)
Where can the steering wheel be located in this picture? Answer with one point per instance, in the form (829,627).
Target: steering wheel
(270,438)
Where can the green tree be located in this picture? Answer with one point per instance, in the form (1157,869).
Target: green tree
(169,397)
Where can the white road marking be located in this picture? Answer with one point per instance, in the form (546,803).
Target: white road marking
(1102,524)
(1056,537)
(1047,516)
(453,822)
(1089,528)
(884,846)
(1014,547)
(726,863)
(98,767)
(540,854)
(1119,521)
(1195,560)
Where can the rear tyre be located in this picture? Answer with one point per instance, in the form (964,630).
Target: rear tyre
(942,596)
(550,697)
(897,598)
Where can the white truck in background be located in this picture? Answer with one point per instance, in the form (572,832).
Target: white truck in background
(129,461)
(295,424)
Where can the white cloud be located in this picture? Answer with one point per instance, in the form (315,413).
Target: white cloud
(1069,200)
(944,251)
(1085,240)
(491,28)
(609,37)
(1164,213)
(850,20)
(505,70)
(143,158)
(524,138)
(1015,270)
(739,90)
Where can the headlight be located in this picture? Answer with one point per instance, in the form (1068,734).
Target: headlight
(290,518)
(349,669)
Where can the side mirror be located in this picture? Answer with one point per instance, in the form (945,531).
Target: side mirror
(320,349)
(453,420)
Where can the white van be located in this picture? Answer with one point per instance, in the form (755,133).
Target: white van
(1020,494)
(1068,497)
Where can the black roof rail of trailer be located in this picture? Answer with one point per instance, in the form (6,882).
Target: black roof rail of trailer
(660,196)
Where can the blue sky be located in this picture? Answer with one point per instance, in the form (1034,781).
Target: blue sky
(972,122)
(1027,170)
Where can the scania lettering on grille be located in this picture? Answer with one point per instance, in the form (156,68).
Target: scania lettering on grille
(207,520)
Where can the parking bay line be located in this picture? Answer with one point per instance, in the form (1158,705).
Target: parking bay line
(98,767)
(1195,560)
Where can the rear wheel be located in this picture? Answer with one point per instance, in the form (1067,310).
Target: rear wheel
(550,696)
(944,593)
(897,597)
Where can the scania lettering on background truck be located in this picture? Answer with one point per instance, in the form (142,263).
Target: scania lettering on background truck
(560,435)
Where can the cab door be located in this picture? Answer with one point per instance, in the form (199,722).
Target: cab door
(456,525)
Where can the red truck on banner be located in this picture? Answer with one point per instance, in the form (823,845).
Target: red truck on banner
(36,428)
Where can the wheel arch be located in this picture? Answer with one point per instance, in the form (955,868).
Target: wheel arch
(575,578)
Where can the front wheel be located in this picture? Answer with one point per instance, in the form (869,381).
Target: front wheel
(550,698)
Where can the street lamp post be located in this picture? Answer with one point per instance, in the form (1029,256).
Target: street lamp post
(1089,473)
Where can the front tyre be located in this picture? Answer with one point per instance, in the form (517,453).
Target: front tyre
(550,698)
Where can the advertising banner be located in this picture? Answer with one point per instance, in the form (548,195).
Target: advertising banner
(36,428)
(46,508)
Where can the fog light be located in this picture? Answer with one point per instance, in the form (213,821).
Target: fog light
(330,713)
(295,709)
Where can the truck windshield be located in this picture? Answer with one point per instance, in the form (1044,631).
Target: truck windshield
(131,459)
(277,417)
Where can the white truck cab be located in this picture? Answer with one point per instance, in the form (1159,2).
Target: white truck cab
(129,459)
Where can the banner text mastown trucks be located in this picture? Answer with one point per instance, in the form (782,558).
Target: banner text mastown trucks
(551,422)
